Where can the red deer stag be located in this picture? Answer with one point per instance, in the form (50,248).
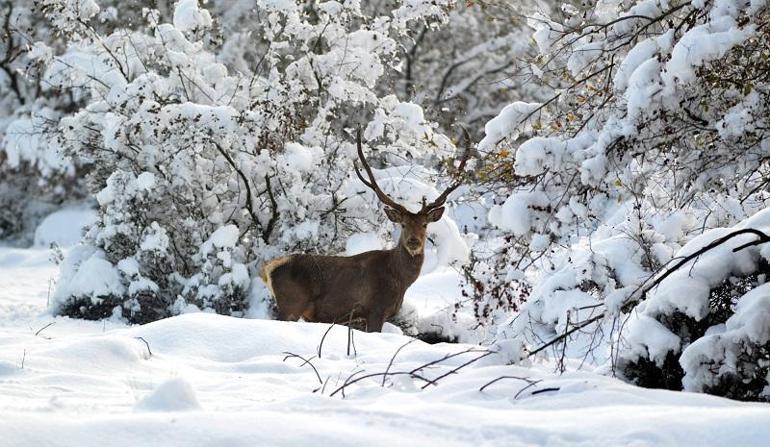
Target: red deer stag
(369,286)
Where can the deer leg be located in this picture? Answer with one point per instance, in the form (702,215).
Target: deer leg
(285,315)
(289,310)
(374,322)
(309,313)
(291,298)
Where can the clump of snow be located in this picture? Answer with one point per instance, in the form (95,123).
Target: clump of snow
(584,56)
(95,278)
(643,83)
(538,154)
(175,394)
(298,157)
(516,214)
(64,227)
(224,237)
(155,239)
(507,124)
(700,45)
(188,16)
(451,247)
(651,339)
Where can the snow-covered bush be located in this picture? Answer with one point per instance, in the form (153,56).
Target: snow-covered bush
(35,177)
(469,67)
(210,153)
(705,327)
(656,131)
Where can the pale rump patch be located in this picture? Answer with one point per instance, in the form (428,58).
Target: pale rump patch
(267,270)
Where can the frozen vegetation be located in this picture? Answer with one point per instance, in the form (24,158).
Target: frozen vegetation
(599,277)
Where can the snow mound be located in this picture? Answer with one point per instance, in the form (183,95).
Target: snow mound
(64,227)
(174,394)
(203,335)
(83,382)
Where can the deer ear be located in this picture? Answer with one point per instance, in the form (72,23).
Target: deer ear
(393,215)
(435,215)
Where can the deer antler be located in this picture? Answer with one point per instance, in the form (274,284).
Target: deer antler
(441,199)
(372,183)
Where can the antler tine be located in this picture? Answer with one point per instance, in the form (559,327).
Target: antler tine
(372,183)
(441,199)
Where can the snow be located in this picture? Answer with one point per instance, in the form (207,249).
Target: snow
(641,52)
(162,111)
(643,84)
(298,157)
(175,394)
(206,379)
(507,123)
(743,332)
(226,236)
(654,338)
(362,242)
(96,278)
(189,16)
(64,227)
(515,213)
(156,239)
(699,45)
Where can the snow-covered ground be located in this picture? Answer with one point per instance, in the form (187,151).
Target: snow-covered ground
(209,380)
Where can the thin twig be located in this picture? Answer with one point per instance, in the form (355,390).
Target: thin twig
(44,328)
(320,345)
(447,357)
(530,385)
(367,376)
(473,360)
(351,343)
(146,344)
(544,390)
(304,362)
(393,358)
(493,381)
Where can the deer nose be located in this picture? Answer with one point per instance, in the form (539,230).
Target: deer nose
(413,242)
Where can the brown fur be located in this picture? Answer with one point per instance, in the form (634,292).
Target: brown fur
(338,289)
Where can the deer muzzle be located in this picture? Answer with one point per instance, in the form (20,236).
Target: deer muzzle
(413,244)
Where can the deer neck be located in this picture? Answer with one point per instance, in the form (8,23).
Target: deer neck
(406,266)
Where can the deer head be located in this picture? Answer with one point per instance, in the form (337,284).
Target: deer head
(413,225)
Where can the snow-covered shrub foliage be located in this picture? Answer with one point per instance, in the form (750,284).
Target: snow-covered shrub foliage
(35,177)
(223,137)
(705,327)
(656,130)
(468,68)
